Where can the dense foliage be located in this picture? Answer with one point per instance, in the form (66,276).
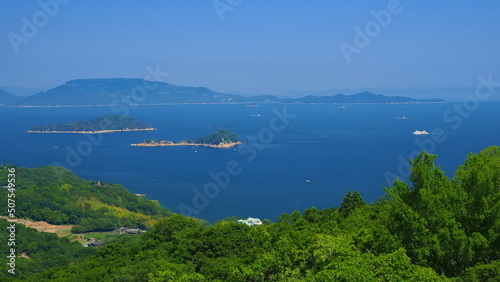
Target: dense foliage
(156,141)
(430,230)
(57,196)
(112,122)
(216,138)
(222,136)
(41,251)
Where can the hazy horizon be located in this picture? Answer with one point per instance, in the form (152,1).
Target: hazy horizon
(446,93)
(252,47)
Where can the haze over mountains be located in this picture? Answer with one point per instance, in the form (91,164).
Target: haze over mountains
(6,97)
(449,94)
(90,92)
(21,91)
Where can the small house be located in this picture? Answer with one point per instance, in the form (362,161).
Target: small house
(250,221)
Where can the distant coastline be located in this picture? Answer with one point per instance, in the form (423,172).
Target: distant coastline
(93,132)
(160,144)
(225,103)
(101,92)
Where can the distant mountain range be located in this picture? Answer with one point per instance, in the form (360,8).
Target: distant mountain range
(21,91)
(6,97)
(363,97)
(92,92)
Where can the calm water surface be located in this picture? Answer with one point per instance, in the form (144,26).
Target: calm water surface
(339,149)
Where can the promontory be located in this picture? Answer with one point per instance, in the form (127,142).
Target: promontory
(106,124)
(219,139)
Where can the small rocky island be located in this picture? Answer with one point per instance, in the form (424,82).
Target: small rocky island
(106,124)
(219,139)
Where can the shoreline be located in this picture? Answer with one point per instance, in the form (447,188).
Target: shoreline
(220,146)
(215,103)
(94,132)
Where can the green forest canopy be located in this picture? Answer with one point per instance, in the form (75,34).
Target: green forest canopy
(57,196)
(112,122)
(431,229)
(222,136)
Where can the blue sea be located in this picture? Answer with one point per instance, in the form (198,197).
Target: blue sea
(336,148)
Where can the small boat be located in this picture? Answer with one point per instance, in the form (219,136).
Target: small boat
(308,181)
(418,132)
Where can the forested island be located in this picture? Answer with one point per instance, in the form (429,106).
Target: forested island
(432,228)
(106,124)
(219,139)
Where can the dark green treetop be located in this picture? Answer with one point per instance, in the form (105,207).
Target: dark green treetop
(112,122)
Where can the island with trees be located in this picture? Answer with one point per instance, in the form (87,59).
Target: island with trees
(222,138)
(106,124)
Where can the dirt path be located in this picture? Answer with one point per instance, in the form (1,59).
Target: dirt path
(41,226)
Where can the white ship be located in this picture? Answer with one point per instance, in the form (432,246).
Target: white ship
(418,132)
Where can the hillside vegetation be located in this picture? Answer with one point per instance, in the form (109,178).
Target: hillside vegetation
(57,196)
(41,251)
(216,138)
(112,122)
(431,229)
(222,136)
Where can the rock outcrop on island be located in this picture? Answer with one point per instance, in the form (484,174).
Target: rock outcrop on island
(106,124)
(219,139)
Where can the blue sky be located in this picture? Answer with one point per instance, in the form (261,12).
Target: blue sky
(260,47)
